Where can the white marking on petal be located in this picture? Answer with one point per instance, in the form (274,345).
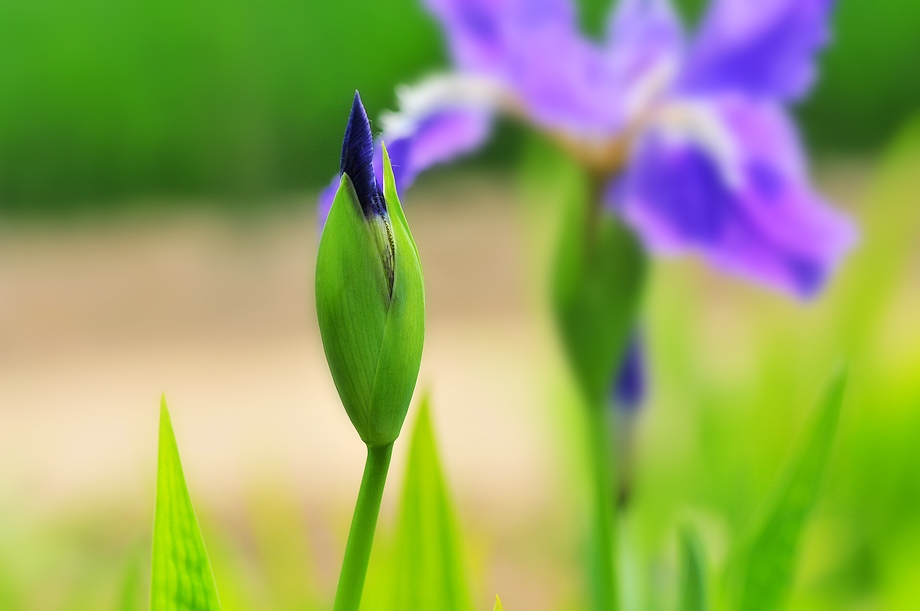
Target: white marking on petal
(650,87)
(441,92)
(695,122)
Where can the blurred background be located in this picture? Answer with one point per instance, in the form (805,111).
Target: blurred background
(159,164)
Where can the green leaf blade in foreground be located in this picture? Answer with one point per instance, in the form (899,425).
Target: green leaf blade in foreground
(429,570)
(181,576)
(498,604)
(693,572)
(770,561)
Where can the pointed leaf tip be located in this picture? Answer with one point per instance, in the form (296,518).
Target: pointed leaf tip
(771,555)
(429,567)
(181,578)
(498,604)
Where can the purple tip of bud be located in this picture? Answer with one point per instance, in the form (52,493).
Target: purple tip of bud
(358,160)
(629,386)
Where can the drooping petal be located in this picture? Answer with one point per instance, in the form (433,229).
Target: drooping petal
(441,118)
(763,48)
(732,184)
(557,79)
(437,139)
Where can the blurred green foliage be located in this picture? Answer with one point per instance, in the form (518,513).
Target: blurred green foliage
(104,101)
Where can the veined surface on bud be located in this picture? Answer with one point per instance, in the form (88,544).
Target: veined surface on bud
(370,298)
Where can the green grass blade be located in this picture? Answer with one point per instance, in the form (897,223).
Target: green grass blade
(181,576)
(693,572)
(429,570)
(770,563)
(498,604)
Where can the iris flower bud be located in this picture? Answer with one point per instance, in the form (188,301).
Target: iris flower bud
(370,298)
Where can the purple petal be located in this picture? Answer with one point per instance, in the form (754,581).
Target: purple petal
(629,387)
(759,218)
(764,48)
(567,83)
(645,48)
(534,48)
(435,139)
(642,33)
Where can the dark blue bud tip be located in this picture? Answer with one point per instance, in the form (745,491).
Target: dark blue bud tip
(358,160)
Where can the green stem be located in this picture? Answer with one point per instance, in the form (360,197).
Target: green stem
(363,525)
(604,574)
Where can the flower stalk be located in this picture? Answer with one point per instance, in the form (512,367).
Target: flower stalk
(604,586)
(363,526)
(598,280)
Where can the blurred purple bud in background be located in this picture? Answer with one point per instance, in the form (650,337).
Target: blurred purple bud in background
(630,383)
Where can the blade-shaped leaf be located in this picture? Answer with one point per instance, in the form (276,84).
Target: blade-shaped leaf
(181,576)
(770,560)
(429,570)
(498,604)
(693,572)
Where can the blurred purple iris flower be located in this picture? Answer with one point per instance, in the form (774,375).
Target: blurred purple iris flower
(690,134)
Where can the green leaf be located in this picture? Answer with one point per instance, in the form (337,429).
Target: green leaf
(429,570)
(498,604)
(598,278)
(181,576)
(693,572)
(770,559)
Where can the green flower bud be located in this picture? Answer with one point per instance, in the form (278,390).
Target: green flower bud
(370,298)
